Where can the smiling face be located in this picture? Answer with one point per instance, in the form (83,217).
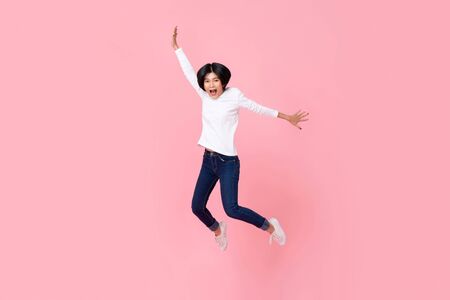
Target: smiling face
(213,85)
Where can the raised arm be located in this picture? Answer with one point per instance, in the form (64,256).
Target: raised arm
(185,65)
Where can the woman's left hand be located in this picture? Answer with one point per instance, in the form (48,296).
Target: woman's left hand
(298,117)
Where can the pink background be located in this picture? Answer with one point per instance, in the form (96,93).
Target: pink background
(98,130)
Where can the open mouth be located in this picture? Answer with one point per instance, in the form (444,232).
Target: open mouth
(213,92)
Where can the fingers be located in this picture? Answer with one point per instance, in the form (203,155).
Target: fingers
(303,114)
(302,117)
(174,38)
(299,119)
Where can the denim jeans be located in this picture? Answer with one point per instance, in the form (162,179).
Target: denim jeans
(225,168)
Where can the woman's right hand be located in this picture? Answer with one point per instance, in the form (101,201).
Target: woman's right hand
(174,39)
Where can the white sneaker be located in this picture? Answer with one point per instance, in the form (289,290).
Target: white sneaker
(278,234)
(221,239)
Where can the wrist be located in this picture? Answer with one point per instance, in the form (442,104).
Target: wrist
(283,116)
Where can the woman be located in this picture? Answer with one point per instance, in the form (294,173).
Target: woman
(220,106)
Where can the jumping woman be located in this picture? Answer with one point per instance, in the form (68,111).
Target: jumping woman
(220,108)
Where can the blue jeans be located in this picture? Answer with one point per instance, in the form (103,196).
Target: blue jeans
(217,166)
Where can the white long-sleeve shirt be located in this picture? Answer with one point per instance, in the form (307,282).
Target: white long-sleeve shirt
(220,116)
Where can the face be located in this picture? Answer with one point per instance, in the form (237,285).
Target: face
(213,85)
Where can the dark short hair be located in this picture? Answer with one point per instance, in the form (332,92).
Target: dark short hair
(220,70)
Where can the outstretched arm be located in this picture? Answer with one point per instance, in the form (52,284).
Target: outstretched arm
(263,110)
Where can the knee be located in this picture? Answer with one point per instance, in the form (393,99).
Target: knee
(196,209)
(232,212)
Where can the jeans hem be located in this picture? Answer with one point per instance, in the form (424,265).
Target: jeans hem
(265,225)
(214,226)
